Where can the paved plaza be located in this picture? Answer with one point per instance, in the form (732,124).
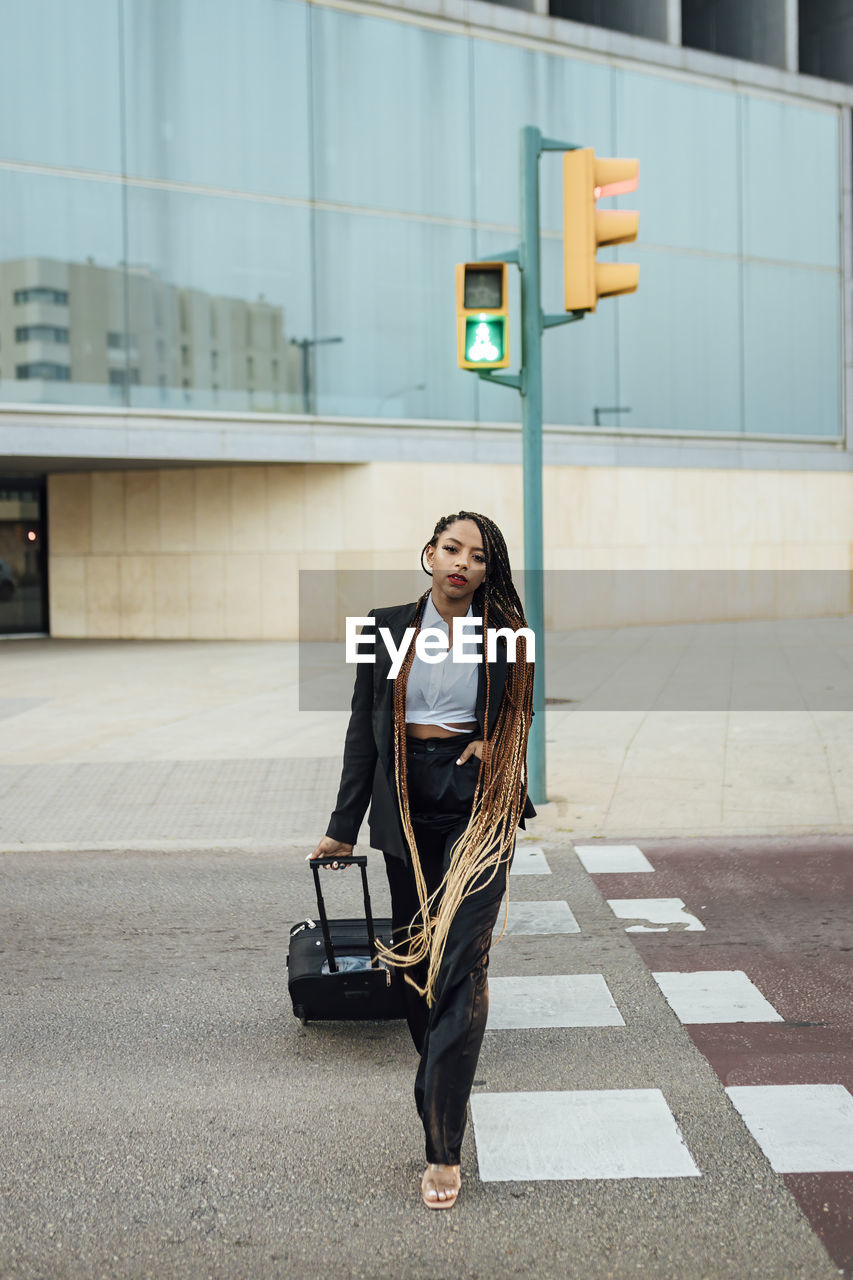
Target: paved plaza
(136,741)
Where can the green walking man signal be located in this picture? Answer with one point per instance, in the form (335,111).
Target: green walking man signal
(482,315)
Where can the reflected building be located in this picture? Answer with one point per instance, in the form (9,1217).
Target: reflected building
(66,322)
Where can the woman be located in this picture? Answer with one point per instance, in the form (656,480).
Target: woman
(439,752)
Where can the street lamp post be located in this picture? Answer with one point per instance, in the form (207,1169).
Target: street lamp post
(599,409)
(305,345)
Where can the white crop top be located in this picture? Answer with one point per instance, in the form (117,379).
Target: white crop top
(438,692)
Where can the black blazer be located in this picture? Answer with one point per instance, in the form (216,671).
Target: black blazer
(368,769)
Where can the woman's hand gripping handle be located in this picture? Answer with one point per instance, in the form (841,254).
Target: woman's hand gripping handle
(326,848)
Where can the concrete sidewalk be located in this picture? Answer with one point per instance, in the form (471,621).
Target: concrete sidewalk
(166,743)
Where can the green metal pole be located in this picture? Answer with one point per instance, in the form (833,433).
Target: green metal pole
(531,445)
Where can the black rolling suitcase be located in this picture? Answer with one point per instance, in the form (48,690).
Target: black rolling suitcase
(333,972)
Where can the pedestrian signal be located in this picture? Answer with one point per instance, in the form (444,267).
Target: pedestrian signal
(587,178)
(482,315)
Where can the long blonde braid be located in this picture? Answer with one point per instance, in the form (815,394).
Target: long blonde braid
(501,789)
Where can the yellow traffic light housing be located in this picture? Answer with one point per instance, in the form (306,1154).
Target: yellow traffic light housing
(587,178)
(482,315)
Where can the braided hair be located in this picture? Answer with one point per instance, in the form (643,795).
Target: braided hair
(501,789)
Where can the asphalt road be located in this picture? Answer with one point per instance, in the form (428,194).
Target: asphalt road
(163,1113)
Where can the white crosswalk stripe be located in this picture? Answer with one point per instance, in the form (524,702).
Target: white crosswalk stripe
(529,860)
(801,1128)
(552,1000)
(715,995)
(588,1133)
(612,858)
(538,918)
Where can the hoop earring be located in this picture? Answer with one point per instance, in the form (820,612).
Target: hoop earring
(427,571)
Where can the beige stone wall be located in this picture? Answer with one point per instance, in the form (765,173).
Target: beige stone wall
(215,552)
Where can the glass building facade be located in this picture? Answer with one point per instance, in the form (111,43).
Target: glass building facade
(257,207)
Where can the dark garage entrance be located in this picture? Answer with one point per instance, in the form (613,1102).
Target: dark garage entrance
(23,559)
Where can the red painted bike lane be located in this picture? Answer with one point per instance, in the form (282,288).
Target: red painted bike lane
(779,910)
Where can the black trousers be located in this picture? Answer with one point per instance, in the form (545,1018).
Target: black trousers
(448,1036)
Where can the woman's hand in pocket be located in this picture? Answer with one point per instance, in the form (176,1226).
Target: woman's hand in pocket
(473,749)
(326,848)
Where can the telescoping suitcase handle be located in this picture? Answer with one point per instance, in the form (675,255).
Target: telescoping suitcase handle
(361,861)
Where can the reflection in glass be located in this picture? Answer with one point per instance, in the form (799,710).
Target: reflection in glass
(391,112)
(792,366)
(680,345)
(218,299)
(57,329)
(579,361)
(62,288)
(566,97)
(686,138)
(217,93)
(215,349)
(67,327)
(59,91)
(790,168)
(387,287)
(161,294)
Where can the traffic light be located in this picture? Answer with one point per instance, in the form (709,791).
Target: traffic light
(482,315)
(587,178)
